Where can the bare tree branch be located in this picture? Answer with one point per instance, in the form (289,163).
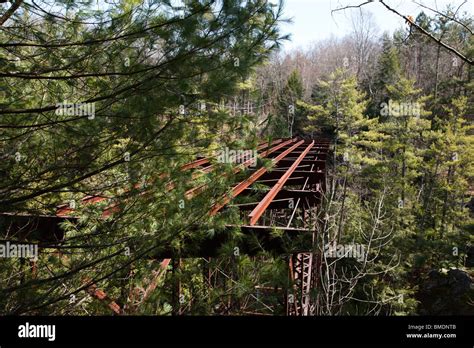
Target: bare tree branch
(10,11)
(352,6)
(438,41)
(446,16)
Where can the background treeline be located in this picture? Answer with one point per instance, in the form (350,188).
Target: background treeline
(171,82)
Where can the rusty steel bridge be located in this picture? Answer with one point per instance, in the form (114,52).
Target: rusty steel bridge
(284,197)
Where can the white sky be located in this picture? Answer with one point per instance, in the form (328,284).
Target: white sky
(312,19)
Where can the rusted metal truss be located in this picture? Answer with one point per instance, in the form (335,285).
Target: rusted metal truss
(285,198)
(301,273)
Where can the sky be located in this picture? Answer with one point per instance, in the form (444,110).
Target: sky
(312,19)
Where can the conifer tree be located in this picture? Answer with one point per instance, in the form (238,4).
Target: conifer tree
(289,115)
(110,101)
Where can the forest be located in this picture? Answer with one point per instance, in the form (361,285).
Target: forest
(108,108)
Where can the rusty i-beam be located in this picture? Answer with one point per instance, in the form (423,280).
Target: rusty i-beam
(265,202)
(252,179)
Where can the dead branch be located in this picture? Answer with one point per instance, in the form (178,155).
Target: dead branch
(412,23)
(10,11)
(452,18)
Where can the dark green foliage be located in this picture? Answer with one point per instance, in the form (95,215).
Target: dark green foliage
(147,69)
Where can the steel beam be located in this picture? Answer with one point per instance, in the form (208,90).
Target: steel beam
(195,190)
(265,202)
(249,181)
(200,162)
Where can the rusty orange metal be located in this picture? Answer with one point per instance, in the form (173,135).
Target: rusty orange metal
(249,181)
(196,190)
(265,202)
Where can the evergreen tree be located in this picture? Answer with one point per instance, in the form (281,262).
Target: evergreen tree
(110,102)
(289,115)
(388,72)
